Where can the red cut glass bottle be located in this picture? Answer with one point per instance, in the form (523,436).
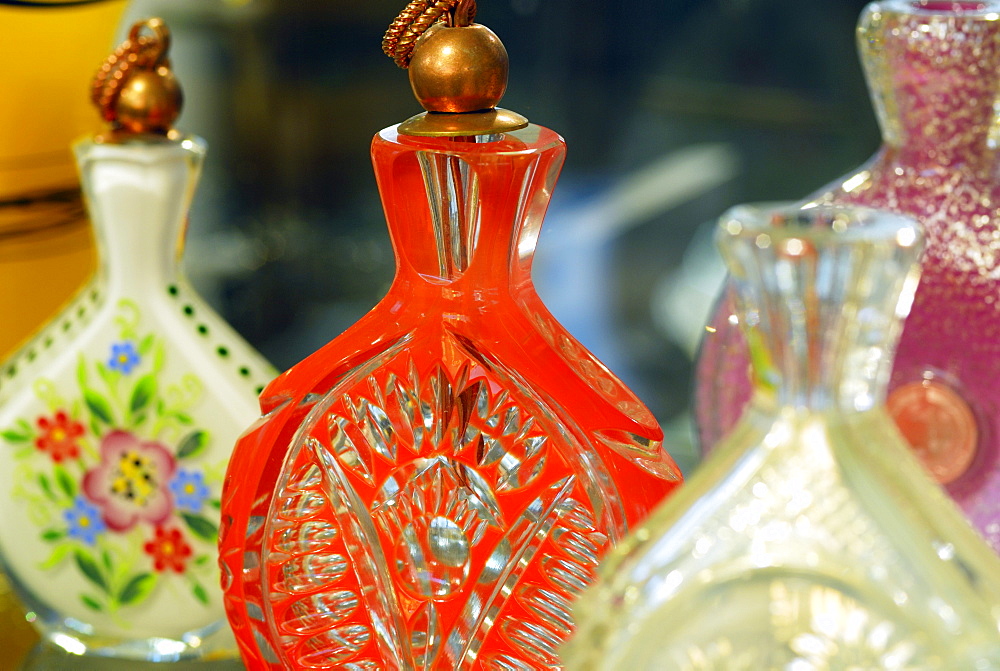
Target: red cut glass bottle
(432,489)
(933,69)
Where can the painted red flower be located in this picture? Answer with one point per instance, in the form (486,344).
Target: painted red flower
(131,483)
(59,436)
(168,550)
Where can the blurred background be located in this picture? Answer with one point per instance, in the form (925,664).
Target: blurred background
(673,110)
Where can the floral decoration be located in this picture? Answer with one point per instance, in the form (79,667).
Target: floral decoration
(123,357)
(190,491)
(131,482)
(84,521)
(115,478)
(59,436)
(168,550)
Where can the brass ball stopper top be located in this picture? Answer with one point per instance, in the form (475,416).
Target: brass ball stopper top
(458,69)
(135,89)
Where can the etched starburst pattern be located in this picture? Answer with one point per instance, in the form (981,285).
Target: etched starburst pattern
(430,519)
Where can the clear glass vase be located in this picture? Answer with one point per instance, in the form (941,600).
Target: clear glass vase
(432,488)
(934,73)
(812,538)
(116,424)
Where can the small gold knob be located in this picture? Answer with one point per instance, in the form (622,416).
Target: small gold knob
(135,89)
(458,70)
(461,69)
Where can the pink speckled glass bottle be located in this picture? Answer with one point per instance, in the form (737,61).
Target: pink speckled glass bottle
(933,69)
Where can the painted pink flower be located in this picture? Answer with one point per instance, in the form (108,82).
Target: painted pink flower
(131,484)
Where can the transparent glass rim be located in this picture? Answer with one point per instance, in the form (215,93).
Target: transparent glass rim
(763,223)
(979,9)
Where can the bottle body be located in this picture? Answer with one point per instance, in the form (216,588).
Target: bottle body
(938,164)
(117,423)
(812,537)
(440,480)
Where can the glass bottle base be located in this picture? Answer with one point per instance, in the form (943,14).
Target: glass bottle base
(213,643)
(67,637)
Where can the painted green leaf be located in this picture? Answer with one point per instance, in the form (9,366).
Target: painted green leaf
(201,527)
(184,418)
(200,593)
(143,393)
(81,372)
(108,375)
(46,485)
(106,558)
(16,436)
(158,358)
(193,444)
(65,481)
(145,345)
(98,406)
(215,503)
(89,568)
(56,557)
(91,603)
(202,560)
(51,535)
(137,589)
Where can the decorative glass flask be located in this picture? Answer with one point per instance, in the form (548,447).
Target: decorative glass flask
(432,488)
(934,72)
(812,538)
(118,418)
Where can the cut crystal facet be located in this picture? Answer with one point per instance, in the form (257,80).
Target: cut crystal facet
(461,473)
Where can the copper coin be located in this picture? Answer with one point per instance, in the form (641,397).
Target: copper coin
(939,425)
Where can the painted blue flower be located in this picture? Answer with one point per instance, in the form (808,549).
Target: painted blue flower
(84,520)
(189,490)
(124,357)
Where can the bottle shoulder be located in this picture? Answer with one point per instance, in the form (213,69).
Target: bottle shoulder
(188,335)
(777,519)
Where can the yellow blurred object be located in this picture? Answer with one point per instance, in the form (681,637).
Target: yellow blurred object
(16,636)
(48,56)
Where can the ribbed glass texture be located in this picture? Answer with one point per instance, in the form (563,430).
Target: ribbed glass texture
(433,488)
(933,69)
(812,538)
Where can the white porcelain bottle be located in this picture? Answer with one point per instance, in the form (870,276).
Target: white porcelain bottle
(118,418)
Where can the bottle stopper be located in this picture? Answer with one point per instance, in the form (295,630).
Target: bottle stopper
(135,89)
(458,70)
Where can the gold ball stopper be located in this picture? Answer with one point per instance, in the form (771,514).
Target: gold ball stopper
(458,69)
(149,102)
(135,89)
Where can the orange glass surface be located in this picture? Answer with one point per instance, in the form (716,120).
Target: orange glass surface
(433,488)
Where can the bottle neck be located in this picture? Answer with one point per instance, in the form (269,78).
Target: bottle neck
(464,213)
(934,75)
(933,70)
(822,293)
(138,194)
